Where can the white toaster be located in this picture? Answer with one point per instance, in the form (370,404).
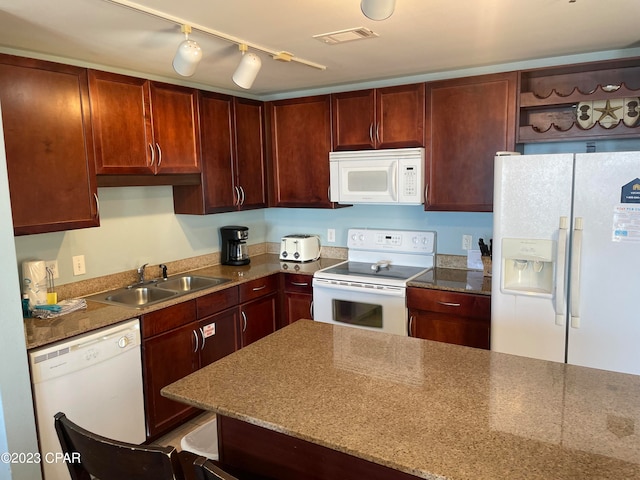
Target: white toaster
(300,248)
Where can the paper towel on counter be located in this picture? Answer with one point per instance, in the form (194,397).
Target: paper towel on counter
(34,281)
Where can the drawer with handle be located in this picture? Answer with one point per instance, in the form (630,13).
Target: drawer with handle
(455,303)
(258,287)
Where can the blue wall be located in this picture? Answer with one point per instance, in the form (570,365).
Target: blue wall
(450,226)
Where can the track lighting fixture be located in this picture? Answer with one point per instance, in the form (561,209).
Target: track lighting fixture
(188,55)
(377,9)
(248,69)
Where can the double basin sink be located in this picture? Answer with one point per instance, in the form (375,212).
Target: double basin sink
(155,291)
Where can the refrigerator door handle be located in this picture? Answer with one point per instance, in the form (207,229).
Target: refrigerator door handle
(560,270)
(576,254)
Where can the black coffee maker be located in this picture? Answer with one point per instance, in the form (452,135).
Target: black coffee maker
(234,246)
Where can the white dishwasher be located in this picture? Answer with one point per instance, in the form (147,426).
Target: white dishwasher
(96,380)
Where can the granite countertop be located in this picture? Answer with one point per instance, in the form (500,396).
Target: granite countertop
(453,279)
(40,332)
(429,409)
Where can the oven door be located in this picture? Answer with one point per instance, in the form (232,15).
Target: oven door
(359,305)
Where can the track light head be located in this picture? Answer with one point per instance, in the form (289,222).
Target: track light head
(247,71)
(187,56)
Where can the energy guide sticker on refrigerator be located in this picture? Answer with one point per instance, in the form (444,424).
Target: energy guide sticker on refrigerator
(566,258)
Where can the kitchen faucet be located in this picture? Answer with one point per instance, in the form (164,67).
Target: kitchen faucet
(141,273)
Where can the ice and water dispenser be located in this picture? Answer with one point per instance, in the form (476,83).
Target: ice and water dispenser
(528,266)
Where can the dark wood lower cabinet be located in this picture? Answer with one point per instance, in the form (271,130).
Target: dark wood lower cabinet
(297,298)
(450,317)
(167,357)
(258,318)
(259,453)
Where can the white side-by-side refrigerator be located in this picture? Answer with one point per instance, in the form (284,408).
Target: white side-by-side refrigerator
(566,259)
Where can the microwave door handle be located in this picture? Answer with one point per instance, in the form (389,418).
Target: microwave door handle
(394,182)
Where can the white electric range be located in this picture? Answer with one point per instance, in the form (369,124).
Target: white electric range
(368,290)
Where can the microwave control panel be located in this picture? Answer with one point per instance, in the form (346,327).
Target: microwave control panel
(410,182)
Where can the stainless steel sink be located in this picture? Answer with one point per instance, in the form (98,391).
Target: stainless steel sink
(157,291)
(139,296)
(190,283)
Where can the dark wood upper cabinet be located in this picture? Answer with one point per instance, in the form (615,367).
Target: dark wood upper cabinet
(300,146)
(468,121)
(391,117)
(49,148)
(251,168)
(233,158)
(143,127)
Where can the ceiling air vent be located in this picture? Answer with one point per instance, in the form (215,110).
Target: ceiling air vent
(341,36)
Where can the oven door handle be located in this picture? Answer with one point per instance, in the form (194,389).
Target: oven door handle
(387,291)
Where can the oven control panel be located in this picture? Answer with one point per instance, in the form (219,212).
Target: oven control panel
(401,241)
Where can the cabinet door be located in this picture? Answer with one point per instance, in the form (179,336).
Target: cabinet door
(49,147)
(441,327)
(219,336)
(353,116)
(217,191)
(400,116)
(175,128)
(121,116)
(250,160)
(301,141)
(167,358)
(297,306)
(258,319)
(468,121)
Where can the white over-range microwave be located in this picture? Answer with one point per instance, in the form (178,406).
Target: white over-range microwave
(383,177)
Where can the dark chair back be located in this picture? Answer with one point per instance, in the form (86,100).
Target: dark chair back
(207,470)
(88,454)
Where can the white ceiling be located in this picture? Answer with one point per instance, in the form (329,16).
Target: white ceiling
(421,37)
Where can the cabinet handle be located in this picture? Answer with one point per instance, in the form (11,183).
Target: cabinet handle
(195,335)
(244,322)
(300,284)
(256,289)
(371,132)
(95,195)
(236,201)
(409,325)
(242,192)
(153,155)
(159,153)
(204,339)
(449,304)
(311,309)
(378,132)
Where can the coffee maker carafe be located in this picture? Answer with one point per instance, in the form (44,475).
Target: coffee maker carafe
(234,246)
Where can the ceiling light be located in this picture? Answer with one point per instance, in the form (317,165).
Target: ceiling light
(377,9)
(187,56)
(248,69)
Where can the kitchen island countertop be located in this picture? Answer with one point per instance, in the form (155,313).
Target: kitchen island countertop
(428,409)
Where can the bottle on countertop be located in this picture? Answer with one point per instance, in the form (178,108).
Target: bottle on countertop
(26,307)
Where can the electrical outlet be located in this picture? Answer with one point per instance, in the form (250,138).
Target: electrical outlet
(79,267)
(466,242)
(53,266)
(331,235)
